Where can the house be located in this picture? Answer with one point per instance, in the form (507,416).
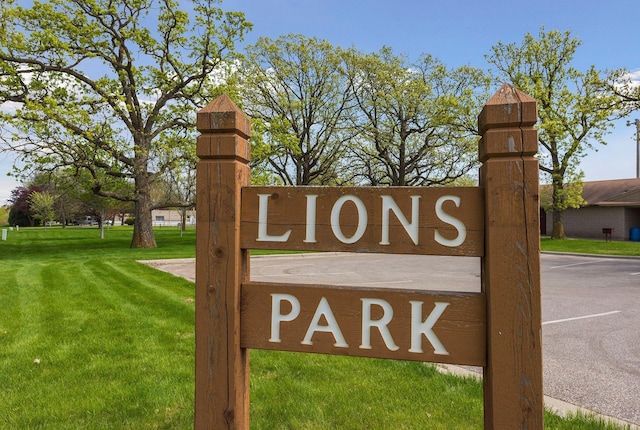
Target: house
(171,217)
(613,204)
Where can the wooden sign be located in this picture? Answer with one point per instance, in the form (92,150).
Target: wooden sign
(365,322)
(408,220)
(498,328)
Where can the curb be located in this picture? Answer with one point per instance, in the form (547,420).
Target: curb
(575,254)
(557,406)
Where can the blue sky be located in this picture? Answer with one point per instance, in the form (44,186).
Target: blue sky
(460,32)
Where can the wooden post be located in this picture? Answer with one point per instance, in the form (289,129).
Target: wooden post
(511,265)
(222,366)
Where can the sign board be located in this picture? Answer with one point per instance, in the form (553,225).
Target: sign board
(498,328)
(398,220)
(365,322)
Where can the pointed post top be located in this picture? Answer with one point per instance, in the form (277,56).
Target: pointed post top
(506,125)
(224,131)
(509,107)
(223,116)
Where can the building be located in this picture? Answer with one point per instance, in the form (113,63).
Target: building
(171,217)
(613,205)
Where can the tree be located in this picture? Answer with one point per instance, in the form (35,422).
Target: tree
(180,186)
(573,109)
(416,123)
(106,87)
(20,214)
(78,187)
(62,186)
(75,199)
(41,204)
(624,84)
(4,215)
(297,88)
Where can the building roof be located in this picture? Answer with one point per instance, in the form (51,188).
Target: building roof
(617,192)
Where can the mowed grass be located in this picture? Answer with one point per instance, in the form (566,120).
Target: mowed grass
(91,339)
(586,246)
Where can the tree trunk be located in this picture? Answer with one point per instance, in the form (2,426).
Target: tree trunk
(101,222)
(143,236)
(558,205)
(558,226)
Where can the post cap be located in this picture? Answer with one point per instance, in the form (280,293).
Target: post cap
(509,107)
(223,116)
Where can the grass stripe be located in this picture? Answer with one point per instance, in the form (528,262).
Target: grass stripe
(85,330)
(115,343)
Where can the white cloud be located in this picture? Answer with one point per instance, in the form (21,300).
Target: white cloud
(634,77)
(10,107)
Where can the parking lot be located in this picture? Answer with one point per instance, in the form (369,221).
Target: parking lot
(591,333)
(590,312)
(591,336)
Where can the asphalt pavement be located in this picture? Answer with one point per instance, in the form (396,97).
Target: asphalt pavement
(591,341)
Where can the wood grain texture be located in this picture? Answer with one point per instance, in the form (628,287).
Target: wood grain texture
(460,328)
(222,366)
(499,328)
(511,265)
(287,211)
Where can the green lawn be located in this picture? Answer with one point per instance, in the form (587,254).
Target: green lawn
(585,246)
(91,339)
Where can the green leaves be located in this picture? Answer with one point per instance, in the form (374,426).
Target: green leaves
(575,108)
(416,122)
(333,116)
(297,88)
(41,205)
(110,87)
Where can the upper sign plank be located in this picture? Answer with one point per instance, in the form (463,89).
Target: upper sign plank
(394,220)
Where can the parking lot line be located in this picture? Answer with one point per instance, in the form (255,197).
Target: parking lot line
(581,317)
(575,264)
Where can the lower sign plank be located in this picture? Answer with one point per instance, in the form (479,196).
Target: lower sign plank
(417,325)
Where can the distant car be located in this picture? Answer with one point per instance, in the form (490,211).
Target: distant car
(108,222)
(87,220)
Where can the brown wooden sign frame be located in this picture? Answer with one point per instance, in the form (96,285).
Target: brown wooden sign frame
(498,328)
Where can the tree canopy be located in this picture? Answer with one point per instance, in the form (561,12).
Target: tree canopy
(112,88)
(335,116)
(20,213)
(41,205)
(416,122)
(574,110)
(107,91)
(296,86)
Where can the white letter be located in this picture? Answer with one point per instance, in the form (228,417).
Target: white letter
(331,327)
(381,324)
(311,219)
(262,222)
(388,205)
(462,230)
(335,219)
(419,328)
(277,317)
